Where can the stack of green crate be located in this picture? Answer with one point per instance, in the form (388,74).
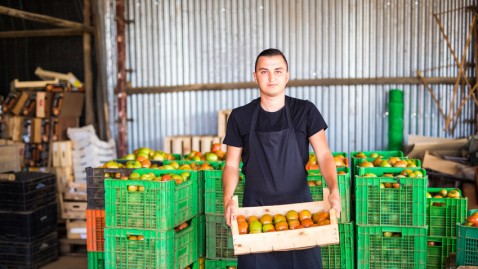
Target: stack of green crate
(219,245)
(445,208)
(391,218)
(342,254)
(143,219)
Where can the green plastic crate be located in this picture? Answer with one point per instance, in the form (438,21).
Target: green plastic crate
(219,244)
(344,190)
(213,194)
(340,256)
(404,206)
(439,248)
(159,249)
(202,235)
(220,264)
(335,153)
(384,154)
(96,260)
(202,174)
(467,244)
(374,250)
(162,206)
(358,161)
(444,213)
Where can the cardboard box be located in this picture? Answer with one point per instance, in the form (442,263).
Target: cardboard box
(289,239)
(76,229)
(436,161)
(36,134)
(61,125)
(72,104)
(417,145)
(62,154)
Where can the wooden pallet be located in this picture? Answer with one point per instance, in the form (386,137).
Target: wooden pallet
(185,144)
(72,247)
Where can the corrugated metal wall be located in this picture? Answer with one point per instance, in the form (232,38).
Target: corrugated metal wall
(216,41)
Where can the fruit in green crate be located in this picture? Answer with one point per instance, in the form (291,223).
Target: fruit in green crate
(147,176)
(339,161)
(132,188)
(135,176)
(385,163)
(186,175)
(453,194)
(393,160)
(374,155)
(443,193)
(177,178)
(129,157)
(428,195)
(377,162)
(370,175)
(387,234)
(400,163)
(360,155)
(211,157)
(366,164)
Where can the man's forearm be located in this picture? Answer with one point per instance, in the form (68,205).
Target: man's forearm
(230,179)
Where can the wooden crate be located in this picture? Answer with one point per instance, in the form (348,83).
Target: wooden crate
(75,191)
(73,210)
(290,239)
(64,175)
(10,158)
(185,144)
(222,118)
(76,229)
(62,154)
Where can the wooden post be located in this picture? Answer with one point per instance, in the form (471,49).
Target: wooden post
(88,84)
(121,78)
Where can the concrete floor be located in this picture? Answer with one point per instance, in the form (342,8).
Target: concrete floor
(70,262)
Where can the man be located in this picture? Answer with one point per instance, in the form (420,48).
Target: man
(272,135)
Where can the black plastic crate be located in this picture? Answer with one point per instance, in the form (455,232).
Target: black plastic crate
(28,191)
(95,189)
(29,255)
(28,226)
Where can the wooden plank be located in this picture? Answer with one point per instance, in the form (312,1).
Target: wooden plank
(285,240)
(41,33)
(222,118)
(43,18)
(295,83)
(74,210)
(88,66)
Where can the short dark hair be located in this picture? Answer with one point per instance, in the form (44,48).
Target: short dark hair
(271,52)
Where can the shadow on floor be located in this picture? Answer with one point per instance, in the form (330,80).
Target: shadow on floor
(69,262)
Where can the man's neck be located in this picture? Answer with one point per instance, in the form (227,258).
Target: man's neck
(272,103)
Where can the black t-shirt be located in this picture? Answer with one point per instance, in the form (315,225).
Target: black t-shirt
(305,117)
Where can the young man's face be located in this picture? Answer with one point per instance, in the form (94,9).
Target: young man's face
(271,75)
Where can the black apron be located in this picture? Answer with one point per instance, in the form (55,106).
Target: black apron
(275,175)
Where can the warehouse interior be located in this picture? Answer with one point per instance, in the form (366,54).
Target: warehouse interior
(114,115)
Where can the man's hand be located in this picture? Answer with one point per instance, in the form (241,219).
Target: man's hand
(230,211)
(334,199)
